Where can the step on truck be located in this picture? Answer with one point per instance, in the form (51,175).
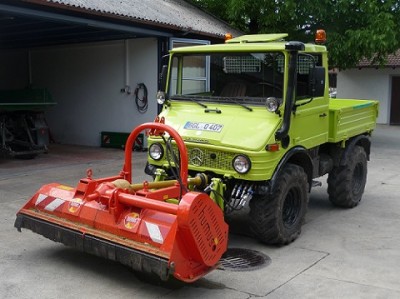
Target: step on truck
(258,123)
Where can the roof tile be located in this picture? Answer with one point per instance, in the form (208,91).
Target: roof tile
(177,14)
(393,61)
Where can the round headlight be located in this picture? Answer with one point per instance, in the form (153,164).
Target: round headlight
(272,104)
(156,151)
(160,97)
(241,164)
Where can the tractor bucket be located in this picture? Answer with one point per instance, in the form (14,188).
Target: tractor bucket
(160,228)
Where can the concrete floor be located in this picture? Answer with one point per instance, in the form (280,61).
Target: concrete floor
(340,254)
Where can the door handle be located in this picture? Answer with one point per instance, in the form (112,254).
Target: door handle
(323,115)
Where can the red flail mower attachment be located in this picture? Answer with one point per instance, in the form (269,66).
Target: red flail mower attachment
(155,227)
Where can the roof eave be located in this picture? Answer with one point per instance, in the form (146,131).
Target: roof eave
(143,22)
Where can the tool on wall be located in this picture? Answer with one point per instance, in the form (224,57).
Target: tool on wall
(141,97)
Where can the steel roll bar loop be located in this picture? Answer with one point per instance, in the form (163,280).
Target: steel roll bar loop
(127,169)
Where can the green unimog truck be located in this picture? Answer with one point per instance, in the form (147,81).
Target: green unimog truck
(259,126)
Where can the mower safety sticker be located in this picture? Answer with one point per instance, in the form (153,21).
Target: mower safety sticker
(54,204)
(203,127)
(131,220)
(68,188)
(154,232)
(74,204)
(49,203)
(40,198)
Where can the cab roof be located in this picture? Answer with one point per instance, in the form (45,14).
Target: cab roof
(249,43)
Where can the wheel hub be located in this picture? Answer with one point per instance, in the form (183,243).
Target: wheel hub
(291,208)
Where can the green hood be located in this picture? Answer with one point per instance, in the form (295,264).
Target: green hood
(225,128)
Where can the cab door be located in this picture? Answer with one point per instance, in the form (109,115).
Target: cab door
(310,117)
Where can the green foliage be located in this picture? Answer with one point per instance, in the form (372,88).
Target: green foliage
(356,29)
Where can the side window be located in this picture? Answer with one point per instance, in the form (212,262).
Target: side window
(195,76)
(305,65)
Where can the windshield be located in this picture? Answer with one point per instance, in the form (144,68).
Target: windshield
(221,76)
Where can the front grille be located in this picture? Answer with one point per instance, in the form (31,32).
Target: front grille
(207,158)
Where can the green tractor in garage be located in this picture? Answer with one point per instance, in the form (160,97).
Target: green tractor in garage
(24,132)
(259,125)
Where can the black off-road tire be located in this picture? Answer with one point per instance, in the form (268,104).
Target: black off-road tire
(277,218)
(346,184)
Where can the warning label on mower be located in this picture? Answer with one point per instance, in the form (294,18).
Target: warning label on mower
(74,204)
(131,220)
(48,203)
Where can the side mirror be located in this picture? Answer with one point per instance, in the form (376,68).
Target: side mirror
(317,81)
(163,77)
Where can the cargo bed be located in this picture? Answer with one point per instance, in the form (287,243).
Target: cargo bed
(348,118)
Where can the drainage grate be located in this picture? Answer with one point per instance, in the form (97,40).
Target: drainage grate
(241,259)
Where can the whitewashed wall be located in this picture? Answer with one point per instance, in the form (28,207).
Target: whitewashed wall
(368,84)
(86,82)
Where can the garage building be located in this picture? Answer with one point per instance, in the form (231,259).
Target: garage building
(93,55)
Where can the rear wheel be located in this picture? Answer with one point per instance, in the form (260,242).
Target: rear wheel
(346,184)
(277,218)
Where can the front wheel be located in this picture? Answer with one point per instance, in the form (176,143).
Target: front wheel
(277,218)
(346,184)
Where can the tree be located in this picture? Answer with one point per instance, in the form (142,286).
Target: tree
(356,29)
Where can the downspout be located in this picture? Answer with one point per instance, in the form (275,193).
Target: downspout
(126,62)
(293,48)
(127,74)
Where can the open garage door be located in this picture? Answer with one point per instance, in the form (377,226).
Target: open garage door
(79,61)
(26,27)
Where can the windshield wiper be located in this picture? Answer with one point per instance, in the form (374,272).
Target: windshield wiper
(222,99)
(188,98)
(233,101)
